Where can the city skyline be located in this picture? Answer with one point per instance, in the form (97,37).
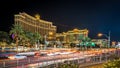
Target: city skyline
(95,15)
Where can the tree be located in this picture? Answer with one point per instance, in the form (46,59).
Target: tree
(17,33)
(32,38)
(81,37)
(36,37)
(85,42)
(69,66)
(4,37)
(112,64)
(81,43)
(23,37)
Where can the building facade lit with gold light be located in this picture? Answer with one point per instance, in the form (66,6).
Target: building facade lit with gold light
(35,24)
(72,35)
(100,42)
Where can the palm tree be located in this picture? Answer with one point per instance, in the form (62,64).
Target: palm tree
(86,40)
(23,41)
(32,38)
(29,38)
(17,33)
(36,37)
(81,43)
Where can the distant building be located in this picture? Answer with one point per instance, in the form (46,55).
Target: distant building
(101,42)
(71,36)
(117,45)
(35,24)
(114,43)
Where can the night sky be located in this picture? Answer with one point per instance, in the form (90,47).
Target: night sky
(95,15)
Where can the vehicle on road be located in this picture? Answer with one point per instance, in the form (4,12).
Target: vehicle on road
(17,57)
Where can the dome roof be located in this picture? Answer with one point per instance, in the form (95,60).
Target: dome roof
(75,30)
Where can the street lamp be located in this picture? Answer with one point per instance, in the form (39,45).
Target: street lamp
(108,36)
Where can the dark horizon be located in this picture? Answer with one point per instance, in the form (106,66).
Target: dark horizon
(94,15)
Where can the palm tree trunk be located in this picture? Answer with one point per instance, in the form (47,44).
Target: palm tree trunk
(17,44)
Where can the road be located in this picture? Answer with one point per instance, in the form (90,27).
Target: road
(41,59)
(31,60)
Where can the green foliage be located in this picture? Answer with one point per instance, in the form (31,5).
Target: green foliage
(114,56)
(4,37)
(29,35)
(81,37)
(17,30)
(112,64)
(86,41)
(36,36)
(22,36)
(71,38)
(69,66)
(90,44)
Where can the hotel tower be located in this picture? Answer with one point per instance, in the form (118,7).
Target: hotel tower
(36,24)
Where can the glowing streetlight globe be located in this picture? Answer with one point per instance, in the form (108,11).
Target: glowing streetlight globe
(100,34)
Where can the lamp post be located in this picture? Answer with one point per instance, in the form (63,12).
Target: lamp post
(108,36)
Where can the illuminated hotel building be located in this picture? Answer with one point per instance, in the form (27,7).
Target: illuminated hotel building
(71,36)
(100,42)
(35,24)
